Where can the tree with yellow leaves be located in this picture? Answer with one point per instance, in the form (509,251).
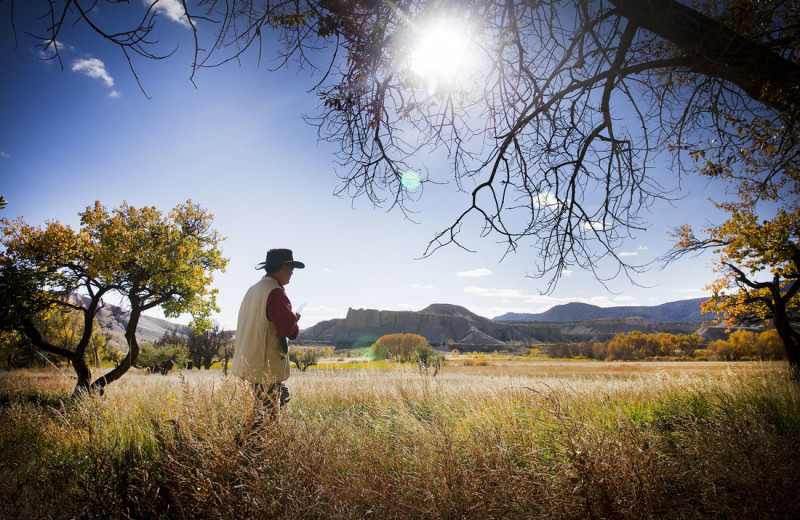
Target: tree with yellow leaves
(399,347)
(145,258)
(758,261)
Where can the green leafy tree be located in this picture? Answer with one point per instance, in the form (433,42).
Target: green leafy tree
(161,358)
(149,259)
(539,148)
(17,352)
(428,359)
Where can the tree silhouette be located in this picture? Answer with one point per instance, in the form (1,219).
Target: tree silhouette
(552,136)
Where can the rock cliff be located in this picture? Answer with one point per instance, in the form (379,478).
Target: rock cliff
(456,327)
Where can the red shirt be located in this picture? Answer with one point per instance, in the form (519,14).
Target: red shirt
(279,312)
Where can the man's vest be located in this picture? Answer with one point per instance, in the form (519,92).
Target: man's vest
(260,355)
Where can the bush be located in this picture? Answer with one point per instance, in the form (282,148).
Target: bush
(427,358)
(305,357)
(161,358)
(397,347)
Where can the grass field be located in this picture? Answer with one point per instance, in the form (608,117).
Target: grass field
(502,439)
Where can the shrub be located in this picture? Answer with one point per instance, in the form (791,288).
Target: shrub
(398,347)
(161,358)
(305,357)
(426,358)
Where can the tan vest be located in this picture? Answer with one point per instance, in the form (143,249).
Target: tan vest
(259,356)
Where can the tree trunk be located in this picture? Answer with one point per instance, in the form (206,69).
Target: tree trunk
(75,358)
(783,326)
(794,361)
(717,51)
(84,375)
(130,359)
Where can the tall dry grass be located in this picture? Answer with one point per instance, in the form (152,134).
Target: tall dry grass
(474,442)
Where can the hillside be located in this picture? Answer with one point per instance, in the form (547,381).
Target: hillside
(456,327)
(682,311)
(113,320)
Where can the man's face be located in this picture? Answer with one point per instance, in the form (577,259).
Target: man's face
(284,274)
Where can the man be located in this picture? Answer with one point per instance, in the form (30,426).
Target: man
(265,322)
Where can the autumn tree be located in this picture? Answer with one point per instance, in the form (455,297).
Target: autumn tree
(398,347)
(552,117)
(633,345)
(758,263)
(145,258)
(770,345)
(688,344)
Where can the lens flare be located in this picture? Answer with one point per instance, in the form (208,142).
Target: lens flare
(410,180)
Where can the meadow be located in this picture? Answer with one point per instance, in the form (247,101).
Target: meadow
(500,438)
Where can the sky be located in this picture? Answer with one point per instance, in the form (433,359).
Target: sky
(237,144)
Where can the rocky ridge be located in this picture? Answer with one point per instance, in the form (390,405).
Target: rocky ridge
(452,326)
(113,320)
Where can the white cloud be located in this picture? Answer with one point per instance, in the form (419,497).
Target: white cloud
(4,155)
(114,94)
(418,286)
(540,300)
(629,253)
(494,293)
(567,272)
(597,226)
(93,68)
(546,199)
(172,9)
(475,273)
(48,52)
(624,299)
(330,271)
(642,248)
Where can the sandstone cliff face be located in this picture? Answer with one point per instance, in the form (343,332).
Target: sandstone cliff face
(361,324)
(454,326)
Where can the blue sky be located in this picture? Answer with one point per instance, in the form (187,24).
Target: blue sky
(237,144)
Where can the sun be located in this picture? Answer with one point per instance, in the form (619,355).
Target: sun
(440,52)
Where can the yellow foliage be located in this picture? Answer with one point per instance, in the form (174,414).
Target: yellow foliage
(399,347)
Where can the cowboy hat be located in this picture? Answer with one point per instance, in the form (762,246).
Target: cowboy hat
(277,257)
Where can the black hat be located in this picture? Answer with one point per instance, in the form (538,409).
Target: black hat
(278,257)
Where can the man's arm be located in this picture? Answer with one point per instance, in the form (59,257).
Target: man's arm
(279,312)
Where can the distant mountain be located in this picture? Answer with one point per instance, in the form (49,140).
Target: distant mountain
(682,311)
(439,323)
(456,327)
(113,320)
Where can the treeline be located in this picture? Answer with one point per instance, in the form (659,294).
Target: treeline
(193,351)
(64,330)
(742,345)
